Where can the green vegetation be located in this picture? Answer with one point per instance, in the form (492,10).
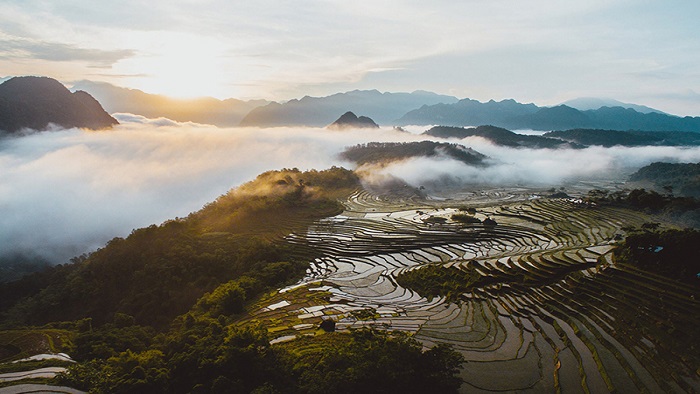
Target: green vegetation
(610,138)
(159,272)
(684,211)
(682,179)
(386,152)
(201,355)
(671,253)
(500,136)
(164,310)
(465,218)
(17,344)
(436,280)
(191,305)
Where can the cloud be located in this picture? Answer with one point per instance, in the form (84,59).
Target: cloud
(63,193)
(19,48)
(537,168)
(66,192)
(139,119)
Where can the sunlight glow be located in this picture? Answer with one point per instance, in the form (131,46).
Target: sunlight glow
(182,66)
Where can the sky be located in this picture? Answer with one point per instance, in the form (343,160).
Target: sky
(541,51)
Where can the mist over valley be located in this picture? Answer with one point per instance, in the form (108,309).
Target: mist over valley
(330,197)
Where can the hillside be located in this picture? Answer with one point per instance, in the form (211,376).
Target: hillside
(384,108)
(682,179)
(387,152)
(224,113)
(36,102)
(158,272)
(500,136)
(610,138)
(168,309)
(269,289)
(350,120)
(513,115)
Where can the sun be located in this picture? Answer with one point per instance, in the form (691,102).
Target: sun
(182,66)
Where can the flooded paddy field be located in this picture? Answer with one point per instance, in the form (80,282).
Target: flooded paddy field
(554,312)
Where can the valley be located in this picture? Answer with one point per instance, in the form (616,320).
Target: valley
(555,311)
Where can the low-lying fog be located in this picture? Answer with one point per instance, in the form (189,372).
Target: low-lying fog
(67,192)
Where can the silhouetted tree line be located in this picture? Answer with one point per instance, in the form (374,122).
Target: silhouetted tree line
(384,152)
(682,210)
(671,253)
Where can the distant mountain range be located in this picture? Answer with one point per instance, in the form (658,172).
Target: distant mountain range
(398,109)
(224,113)
(588,103)
(36,102)
(384,108)
(513,115)
(350,120)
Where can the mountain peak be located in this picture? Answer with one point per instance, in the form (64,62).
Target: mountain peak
(35,102)
(593,103)
(350,120)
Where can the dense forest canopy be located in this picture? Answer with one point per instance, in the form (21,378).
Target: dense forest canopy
(387,152)
(500,136)
(682,179)
(609,138)
(158,272)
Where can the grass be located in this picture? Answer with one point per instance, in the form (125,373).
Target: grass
(18,344)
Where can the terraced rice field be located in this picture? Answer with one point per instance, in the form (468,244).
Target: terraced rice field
(573,321)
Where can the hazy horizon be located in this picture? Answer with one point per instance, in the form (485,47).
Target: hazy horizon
(544,52)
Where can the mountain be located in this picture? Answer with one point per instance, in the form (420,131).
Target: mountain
(35,102)
(680,178)
(610,138)
(513,115)
(552,118)
(350,120)
(467,112)
(617,118)
(500,136)
(158,272)
(224,113)
(387,152)
(588,103)
(384,108)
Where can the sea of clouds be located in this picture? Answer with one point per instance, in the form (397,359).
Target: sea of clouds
(67,192)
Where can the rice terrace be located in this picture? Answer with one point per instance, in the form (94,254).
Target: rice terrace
(333,197)
(547,307)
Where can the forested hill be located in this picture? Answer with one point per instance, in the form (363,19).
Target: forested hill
(387,152)
(163,310)
(159,272)
(610,138)
(36,102)
(682,179)
(500,136)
